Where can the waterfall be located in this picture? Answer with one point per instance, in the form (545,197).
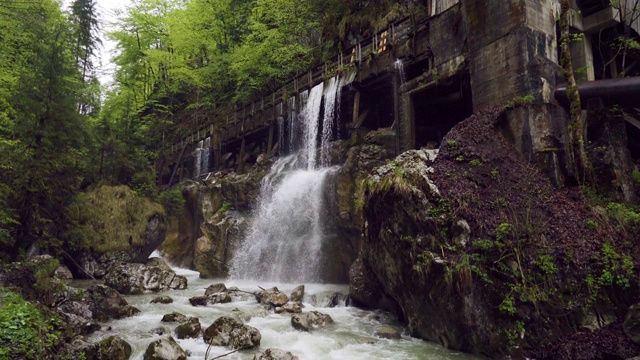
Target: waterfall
(284,238)
(331,108)
(201,157)
(293,128)
(399,66)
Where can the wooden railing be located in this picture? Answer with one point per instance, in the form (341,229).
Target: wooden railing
(260,113)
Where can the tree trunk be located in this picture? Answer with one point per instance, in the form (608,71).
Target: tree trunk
(583,168)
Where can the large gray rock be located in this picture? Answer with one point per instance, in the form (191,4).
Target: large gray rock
(190,328)
(122,226)
(273,297)
(275,354)
(165,349)
(174,317)
(310,320)
(226,331)
(215,288)
(111,348)
(133,278)
(162,300)
(106,303)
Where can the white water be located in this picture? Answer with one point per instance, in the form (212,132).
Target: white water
(201,157)
(351,337)
(284,239)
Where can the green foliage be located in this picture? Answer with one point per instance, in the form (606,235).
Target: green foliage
(508,305)
(494,173)
(590,224)
(475,162)
(452,144)
(636,176)
(520,101)
(172,201)
(226,206)
(25,332)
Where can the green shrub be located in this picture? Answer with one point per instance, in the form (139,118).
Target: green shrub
(172,201)
(25,332)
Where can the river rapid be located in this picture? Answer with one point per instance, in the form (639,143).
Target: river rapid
(351,337)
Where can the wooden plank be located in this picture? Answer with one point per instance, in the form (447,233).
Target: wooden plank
(241,158)
(178,164)
(632,121)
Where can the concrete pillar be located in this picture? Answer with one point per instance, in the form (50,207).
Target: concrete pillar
(582,58)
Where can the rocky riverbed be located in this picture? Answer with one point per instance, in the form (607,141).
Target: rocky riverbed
(352,334)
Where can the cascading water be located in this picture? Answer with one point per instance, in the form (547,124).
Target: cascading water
(329,120)
(201,157)
(284,240)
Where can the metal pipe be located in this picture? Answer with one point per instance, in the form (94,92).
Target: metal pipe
(624,92)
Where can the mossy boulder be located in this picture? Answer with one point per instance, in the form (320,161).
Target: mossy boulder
(113,224)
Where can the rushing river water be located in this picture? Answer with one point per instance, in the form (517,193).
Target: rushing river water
(351,337)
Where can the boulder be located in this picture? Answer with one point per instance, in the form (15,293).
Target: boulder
(215,288)
(159,331)
(310,320)
(158,262)
(188,329)
(631,324)
(199,300)
(122,226)
(388,332)
(162,300)
(111,348)
(63,273)
(279,310)
(226,331)
(275,354)
(78,315)
(174,317)
(336,299)
(219,298)
(165,349)
(297,294)
(292,307)
(212,251)
(106,303)
(132,278)
(273,297)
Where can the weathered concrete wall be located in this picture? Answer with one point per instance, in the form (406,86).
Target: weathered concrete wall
(512,49)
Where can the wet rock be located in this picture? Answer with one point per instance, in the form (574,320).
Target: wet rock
(219,298)
(130,278)
(106,303)
(310,320)
(278,310)
(190,328)
(165,349)
(631,324)
(174,317)
(215,288)
(297,294)
(162,300)
(158,262)
(273,297)
(388,332)
(199,300)
(227,331)
(292,307)
(79,316)
(212,251)
(337,299)
(275,354)
(111,348)
(461,233)
(63,273)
